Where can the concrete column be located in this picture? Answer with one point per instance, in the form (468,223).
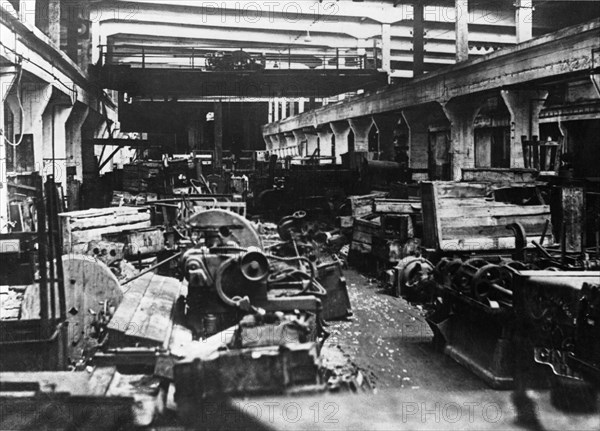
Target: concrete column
(418,129)
(301,104)
(418,39)
(193,134)
(524,107)
(271,112)
(74,138)
(325,133)
(386,125)
(292,108)
(312,141)
(283,108)
(290,139)
(361,127)
(54,21)
(55,139)
(300,140)
(341,130)
(386,47)
(462,30)
(7,79)
(461,114)
(269,142)
(218,109)
(276,115)
(35,98)
(524,20)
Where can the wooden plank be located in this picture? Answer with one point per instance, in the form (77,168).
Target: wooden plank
(84,236)
(110,220)
(132,295)
(485,210)
(100,212)
(486,231)
(145,314)
(396,206)
(480,244)
(525,220)
(460,190)
(499,175)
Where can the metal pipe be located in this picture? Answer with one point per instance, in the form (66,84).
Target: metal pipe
(42,248)
(152,268)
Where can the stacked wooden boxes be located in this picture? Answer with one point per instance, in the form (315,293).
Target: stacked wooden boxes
(363,222)
(461,217)
(81,227)
(138,177)
(401,221)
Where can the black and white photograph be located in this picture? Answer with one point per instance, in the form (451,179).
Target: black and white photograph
(300,215)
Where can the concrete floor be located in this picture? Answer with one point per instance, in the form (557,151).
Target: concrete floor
(389,341)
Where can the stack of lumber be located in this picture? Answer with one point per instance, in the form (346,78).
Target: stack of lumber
(460,217)
(81,227)
(146,314)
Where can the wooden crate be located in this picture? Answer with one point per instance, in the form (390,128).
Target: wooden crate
(81,227)
(459,217)
(365,228)
(361,206)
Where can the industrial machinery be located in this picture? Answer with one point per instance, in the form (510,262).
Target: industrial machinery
(229,274)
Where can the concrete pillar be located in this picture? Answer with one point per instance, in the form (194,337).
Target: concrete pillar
(218,109)
(283,108)
(461,114)
(276,115)
(300,141)
(54,21)
(418,141)
(524,107)
(292,108)
(462,30)
(386,125)
(54,150)
(7,79)
(301,105)
(361,127)
(524,20)
(290,139)
(193,134)
(35,98)
(418,39)
(271,112)
(269,142)
(74,138)
(325,134)
(341,130)
(386,47)
(312,141)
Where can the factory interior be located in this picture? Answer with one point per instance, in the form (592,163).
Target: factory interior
(320,214)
